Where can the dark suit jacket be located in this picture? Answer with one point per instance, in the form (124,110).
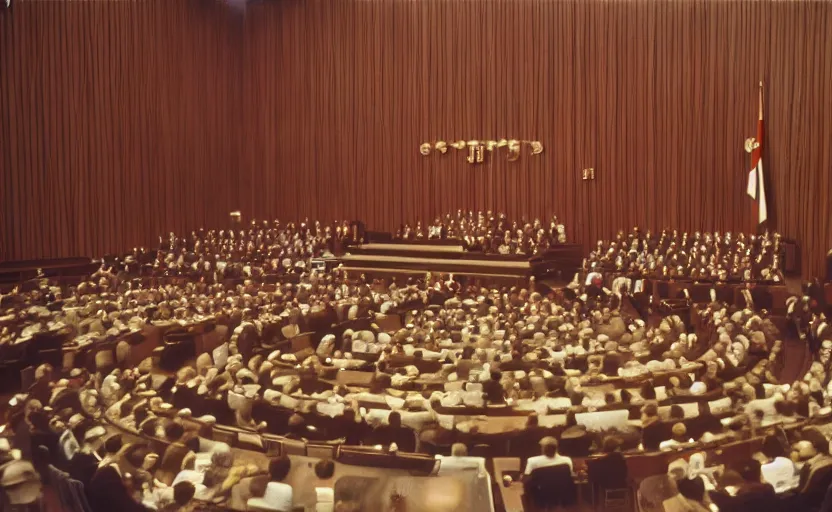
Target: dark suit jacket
(815,479)
(494,392)
(549,487)
(612,362)
(654,434)
(609,472)
(404,438)
(703,423)
(752,497)
(107,493)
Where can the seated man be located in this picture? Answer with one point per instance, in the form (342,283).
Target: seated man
(549,457)
(679,438)
(277,495)
(183,493)
(609,471)
(394,432)
(493,389)
(776,468)
(814,450)
(460,461)
(745,492)
(175,454)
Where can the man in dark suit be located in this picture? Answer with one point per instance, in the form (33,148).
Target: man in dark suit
(746,492)
(493,389)
(394,432)
(815,473)
(609,471)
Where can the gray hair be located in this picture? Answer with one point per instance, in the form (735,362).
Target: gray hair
(222,458)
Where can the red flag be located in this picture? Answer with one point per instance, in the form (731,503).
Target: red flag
(756,179)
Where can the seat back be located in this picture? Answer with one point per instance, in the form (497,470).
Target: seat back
(549,487)
(60,482)
(78,495)
(293,447)
(812,494)
(608,472)
(27,377)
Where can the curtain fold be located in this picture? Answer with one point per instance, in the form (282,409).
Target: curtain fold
(122,120)
(119,121)
(657,96)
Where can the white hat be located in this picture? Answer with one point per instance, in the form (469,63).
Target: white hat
(698,388)
(94,433)
(75,420)
(21,483)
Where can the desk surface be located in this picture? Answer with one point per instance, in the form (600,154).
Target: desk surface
(513,494)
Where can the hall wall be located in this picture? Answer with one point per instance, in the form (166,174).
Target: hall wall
(657,96)
(123,120)
(119,121)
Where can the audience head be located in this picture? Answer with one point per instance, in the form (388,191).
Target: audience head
(750,471)
(459,450)
(183,493)
(692,489)
(819,441)
(679,432)
(174,431)
(222,457)
(647,391)
(611,444)
(148,427)
(394,419)
(324,469)
(279,468)
(549,446)
(772,447)
(113,444)
(296,421)
(676,412)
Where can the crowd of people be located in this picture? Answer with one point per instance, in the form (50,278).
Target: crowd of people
(490,232)
(564,376)
(264,248)
(699,256)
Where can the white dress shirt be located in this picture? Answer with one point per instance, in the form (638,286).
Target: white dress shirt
(542,461)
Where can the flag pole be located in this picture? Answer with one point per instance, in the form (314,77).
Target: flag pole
(763,211)
(760,96)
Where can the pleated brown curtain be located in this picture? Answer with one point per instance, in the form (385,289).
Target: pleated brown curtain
(123,120)
(119,121)
(657,96)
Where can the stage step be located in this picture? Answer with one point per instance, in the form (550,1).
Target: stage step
(508,279)
(403,247)
(426,252)
(487,267)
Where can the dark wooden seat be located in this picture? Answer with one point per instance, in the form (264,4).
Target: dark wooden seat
(549,487)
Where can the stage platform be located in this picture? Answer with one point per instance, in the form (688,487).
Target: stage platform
(409,258)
